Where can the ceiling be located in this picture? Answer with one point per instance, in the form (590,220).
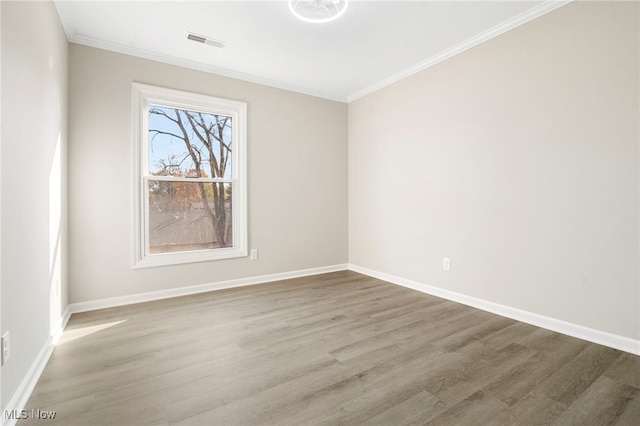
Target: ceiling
(375,43)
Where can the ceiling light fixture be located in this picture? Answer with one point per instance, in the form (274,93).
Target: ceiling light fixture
(318,11)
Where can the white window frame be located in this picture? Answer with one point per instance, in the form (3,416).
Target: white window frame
(145,95)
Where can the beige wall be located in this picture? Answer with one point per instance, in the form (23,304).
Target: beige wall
(34,139)
(519,160)
(297,170)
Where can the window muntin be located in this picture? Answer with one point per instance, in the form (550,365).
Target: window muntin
(190,180)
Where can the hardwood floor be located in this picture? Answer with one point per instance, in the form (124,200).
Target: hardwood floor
(334,349)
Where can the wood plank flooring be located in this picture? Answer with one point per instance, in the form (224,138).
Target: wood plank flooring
(333,349)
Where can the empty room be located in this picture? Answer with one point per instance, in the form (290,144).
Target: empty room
(305,212)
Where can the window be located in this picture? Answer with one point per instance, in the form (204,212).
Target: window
(190,177)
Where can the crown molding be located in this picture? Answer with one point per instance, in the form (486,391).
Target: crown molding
(198,66)
(523,18)
(533,13)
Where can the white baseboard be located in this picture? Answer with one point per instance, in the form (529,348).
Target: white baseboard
(575,330)
(195,289)
(22,394)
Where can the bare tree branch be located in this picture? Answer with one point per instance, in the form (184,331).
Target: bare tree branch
(159,132)
(198,135)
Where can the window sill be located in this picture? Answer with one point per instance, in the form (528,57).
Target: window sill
(179,258)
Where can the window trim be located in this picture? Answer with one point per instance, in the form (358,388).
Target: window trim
(143,96)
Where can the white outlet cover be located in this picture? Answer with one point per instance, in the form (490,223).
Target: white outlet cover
(446,264)
(5,348)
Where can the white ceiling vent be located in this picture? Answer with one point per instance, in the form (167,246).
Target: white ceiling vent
(205,40)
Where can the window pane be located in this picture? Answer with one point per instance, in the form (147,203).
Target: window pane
(189,143)
(181,220)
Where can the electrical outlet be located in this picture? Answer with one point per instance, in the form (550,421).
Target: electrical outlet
(254,254)
(5,348)
(446,263)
